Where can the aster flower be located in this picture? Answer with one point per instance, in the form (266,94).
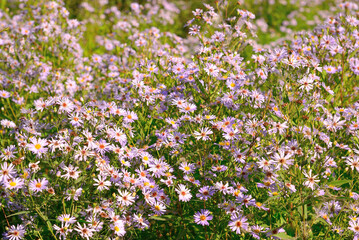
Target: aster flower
(188,107)
(14,184)
(159,208)
(129,117)
(311,180)
(203,217)
(256,230)
(7,123)
(15,232)
(306,83)
(238,223)
(38,185)
(84,231)
(187,168)
(71,172)
(205,193)
(203,134)
(125,198)
(119,228)
(141,222)
(66,218)
(353,162)
(7,171)
(283,160)
(37,146)
(65,105)
(101,183)
(64,230)
(184,193)
(354,227)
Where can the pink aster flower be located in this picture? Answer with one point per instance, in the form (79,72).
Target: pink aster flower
(14,184)
(101,183)
(203,134)
(37,146)
(38,185)
(238,223)
(84,231)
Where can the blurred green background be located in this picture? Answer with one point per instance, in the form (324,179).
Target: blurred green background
(274,18)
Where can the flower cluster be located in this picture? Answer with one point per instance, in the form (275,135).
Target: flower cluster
(108,135)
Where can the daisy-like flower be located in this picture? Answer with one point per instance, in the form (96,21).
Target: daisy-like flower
(203,134)
(66,218)
(353,163)
(8,124)
(37,146)
(65,105)
(64,230)
(238,223)
(256,230)
(119,228)
(354,226)
(75,120)
(211,69)
(83,153)
(184,193)
(283,160)
(203,217)
(84,231)
(187,168)
(141,222)
(15,232)
(330,69)
(8,153)
(159,208)
(188,107)
(306,83)
(333,123)
(205,193)
(14,184)
(38,185)
(101,183)
(223,188)
(7,171)
(129,117)
(71,172)
(103,146)
(4,94)
(311,180)
(125,198)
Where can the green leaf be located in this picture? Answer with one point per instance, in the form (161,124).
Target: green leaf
(19,213)
(158,218)
(339,182)
(181,234)
(283,236)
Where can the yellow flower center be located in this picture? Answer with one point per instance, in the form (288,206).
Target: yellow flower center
(37,146)
(12,184)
